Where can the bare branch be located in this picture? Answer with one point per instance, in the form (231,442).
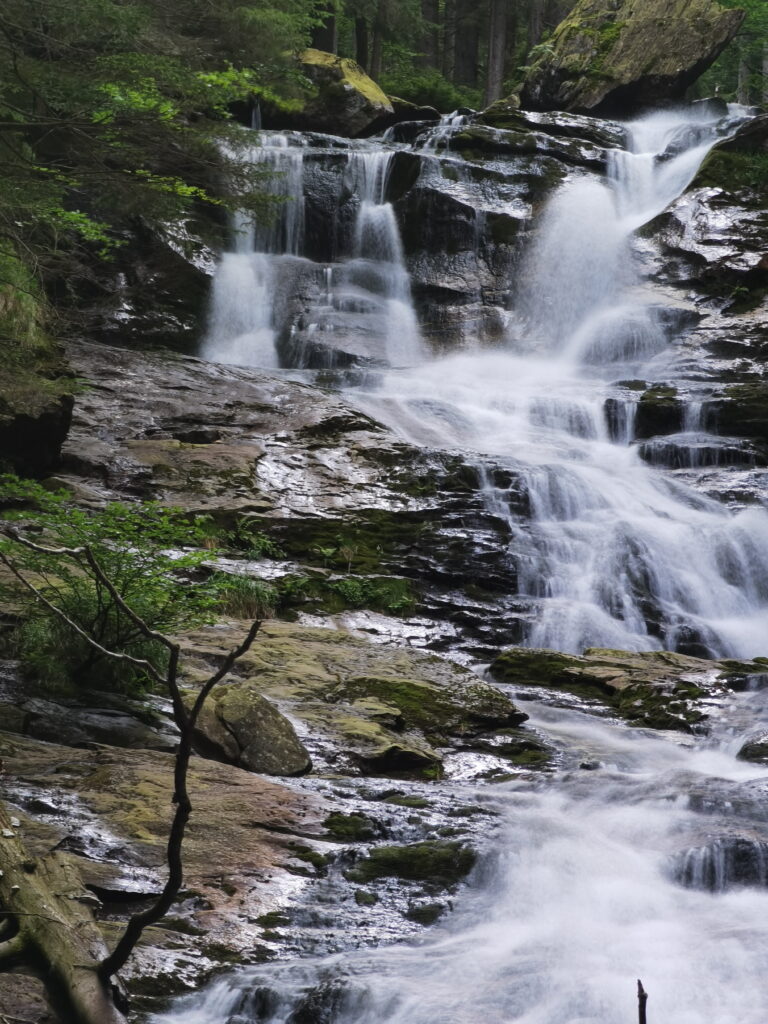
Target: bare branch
(43,549)
(227,664)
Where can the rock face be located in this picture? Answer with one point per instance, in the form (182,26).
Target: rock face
(618,57)
(659,689)
(347,100)
(378,710)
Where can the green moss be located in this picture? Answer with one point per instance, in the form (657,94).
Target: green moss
(735,172)
(416,802)
(438,862)
(351,75)
(353,827)
(305,853)
(365,899)
(427,707)
(273,919)
(425,913)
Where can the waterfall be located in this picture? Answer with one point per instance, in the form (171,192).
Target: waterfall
(653,863)
(364,296)
(615,554)
(241,327)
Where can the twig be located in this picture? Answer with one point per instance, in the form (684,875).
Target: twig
(642,999)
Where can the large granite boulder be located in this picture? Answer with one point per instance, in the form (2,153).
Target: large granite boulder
(347,100)
(619,56)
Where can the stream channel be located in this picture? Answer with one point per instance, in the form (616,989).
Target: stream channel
(654,863)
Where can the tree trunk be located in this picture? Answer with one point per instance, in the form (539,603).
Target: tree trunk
(326,36)
(743,91)
(466,43)
(764,83)
(497,50)
(361,43)
(535,22)
(449,38)
(377,50)
(46,899)
(430,44)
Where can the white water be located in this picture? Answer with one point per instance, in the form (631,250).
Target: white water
(585,893)
(579,902)
(618,554)
(372,277)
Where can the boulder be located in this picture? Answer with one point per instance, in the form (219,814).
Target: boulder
(373,709)
(347,102)
(239,726)
(620,56)
(755,748)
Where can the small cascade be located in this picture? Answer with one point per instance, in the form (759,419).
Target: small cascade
(439,137)
(241,328)
(722,864)
(357,310)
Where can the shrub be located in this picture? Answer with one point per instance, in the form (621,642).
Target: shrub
(148,552)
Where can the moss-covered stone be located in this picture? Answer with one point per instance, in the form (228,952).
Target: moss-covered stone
(441,864)
(615,56)
(353,828)
(239,726)
(657,689)
(347,101)
(659,411)
(386,708)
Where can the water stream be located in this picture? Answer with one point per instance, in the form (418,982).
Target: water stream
(653,865)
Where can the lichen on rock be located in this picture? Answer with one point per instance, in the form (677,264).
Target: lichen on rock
(618,56)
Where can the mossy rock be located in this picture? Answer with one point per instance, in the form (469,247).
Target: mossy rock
(659,411)
(352,828)
(383,708)
(239,726)
(347,101)
(656,689)
(439,863)
(619,56)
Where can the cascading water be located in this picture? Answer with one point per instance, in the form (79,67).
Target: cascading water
(600,877)
(652,864)
(241,328)
(369,281)
(615,553)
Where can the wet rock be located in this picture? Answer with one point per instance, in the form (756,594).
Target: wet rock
(659,411)
(659,689)
(723,863)
(382,711)
(440,864)
(348,102)
(755,749)
(154,292)
(239,726)
(610,57)
(505,113)
(110,810)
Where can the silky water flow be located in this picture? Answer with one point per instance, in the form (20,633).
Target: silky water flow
(652,865)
